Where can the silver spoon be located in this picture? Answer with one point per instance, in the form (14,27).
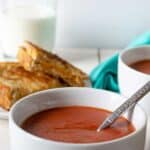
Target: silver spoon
(125,106)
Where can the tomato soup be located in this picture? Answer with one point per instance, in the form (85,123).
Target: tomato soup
(142,66)
(76,124)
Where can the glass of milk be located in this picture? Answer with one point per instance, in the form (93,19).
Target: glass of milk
(27,20)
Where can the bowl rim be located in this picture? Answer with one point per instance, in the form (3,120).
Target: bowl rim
(121,54)
(36,138)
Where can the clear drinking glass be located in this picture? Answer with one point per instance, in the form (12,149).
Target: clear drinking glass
(27,20)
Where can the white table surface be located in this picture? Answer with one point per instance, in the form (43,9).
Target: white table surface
(86,59)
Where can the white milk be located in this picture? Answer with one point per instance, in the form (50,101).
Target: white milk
(36,24)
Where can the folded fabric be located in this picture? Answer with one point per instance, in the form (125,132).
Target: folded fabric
(104,76)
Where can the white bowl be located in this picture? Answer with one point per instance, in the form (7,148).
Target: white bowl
(131,80)
(21,140)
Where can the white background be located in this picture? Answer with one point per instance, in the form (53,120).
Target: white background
(101,23)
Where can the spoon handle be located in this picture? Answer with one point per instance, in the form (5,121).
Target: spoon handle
(125,106)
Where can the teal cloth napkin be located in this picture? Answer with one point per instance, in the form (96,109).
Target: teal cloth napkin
(104,76)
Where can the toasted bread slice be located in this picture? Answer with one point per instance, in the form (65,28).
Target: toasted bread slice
(34,58)
(16,82)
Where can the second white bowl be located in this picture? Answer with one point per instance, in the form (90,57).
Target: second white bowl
(130,80)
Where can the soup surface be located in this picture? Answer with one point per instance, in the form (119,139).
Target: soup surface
(76,124)
(142,66)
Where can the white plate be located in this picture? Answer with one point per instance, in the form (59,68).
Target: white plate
(3,114)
